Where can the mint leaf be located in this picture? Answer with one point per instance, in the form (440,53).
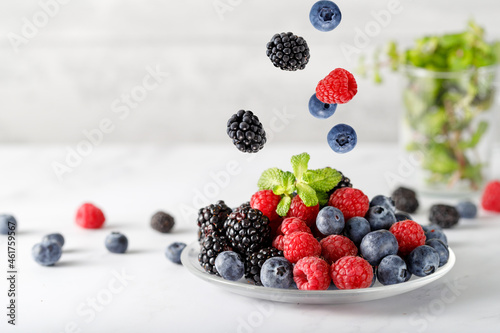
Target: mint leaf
(322,180)
(270,178)
(284,206)
(299,164)
(307,194)
(476,137)
(322,198)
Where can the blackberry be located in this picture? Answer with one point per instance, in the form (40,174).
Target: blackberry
(344,182)
(211,220)
(246,131)
(288,51)
(247,230)
(444,216)
(405,200)
(210,248)
(162,222)
(255,260)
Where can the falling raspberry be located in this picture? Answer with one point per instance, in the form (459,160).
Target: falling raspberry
(338,87)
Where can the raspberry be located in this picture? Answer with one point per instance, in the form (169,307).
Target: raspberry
(338,87)
(89,216)
(409,235)
(491,197)
(352,273)
(335,247)
(293,224)
(300,210)
(352,202)
(266,201)
(312,273)
(300,245)
(279,242)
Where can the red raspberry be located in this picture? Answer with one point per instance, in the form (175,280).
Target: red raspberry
(266,201)
(89,216)
(300,245)
(351,202)
(409,235)
(312,273)
(491,197)
(352,273)
(293,224)
(279,242)
(300,210)
(335,247)
(338,87)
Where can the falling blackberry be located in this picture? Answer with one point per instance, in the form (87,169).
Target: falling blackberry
(444,216)
(247,230)
(255,260)
(288,51)
(211,220)
(405,200)
(246,131)
(210,248)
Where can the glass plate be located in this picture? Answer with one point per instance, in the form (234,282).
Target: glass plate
(189,259)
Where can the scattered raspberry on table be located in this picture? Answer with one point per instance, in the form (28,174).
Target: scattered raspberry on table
(491,197)
(89,216)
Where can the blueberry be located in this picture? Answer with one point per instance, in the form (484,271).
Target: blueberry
(56,237)
(378,244)
(116,243)
(325,15)
(382,200)
(46,253)
(319,109)
(402,216)
(342,138)
(173,252)
(434,231)
(330,221)
(441,248)
(423,261)
(277,272)
(356,228)
(392,270)
(7,223)
(230,265)
(380,218)
(467,209)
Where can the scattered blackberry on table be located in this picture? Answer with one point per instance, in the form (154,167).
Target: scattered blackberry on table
(246,131)
(210,249)
(467,210)
(444,216)
(325,15)
(46,253)
(7,223)
(247,230)
(230,265)
(162,222)
(255,260)
(56,237)
(405,200)
(342,138)
(116,242)
(211,220)
(288,52)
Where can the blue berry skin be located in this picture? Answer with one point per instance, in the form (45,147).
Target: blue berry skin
(392,270)
(325,15)
(441,248)
(46,253)
(467,210)
(330,221)
(173,252)
(7,223)
(277,272)
(382,200)
(56,237)
(402,216)
(380,218)
(378,244)
(423,261)
(356,228)
(230,265)
(342,138)
(321,110)
(434,231)
(116,242)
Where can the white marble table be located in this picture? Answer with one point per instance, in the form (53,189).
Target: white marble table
(91,290)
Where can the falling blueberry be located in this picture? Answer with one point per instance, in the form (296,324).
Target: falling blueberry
(325,15)
(321,110)
(342,138)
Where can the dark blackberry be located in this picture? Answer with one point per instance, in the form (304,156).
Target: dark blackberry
(211,220)
(210,248)
(405,200)
(162,222)
(255,260)
(246,131)
(288,51)
(247,230)
(444,216)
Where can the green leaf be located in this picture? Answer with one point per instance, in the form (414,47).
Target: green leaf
(322,179)
(299,164)
(439,159)
(476,137)
(270,178)
(284,206)
(287,185)
(307,194)
(322,198)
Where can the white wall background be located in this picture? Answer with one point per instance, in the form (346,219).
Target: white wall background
(65,78)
